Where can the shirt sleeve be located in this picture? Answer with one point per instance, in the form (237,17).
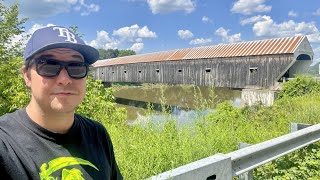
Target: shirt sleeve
(10,168)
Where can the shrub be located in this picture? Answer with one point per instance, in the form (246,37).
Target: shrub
(302,85)
(99,104)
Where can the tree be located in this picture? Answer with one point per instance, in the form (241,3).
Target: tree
(10,27)
(107,54)
(13,92)
(75,29)
(126,53)
(113,53)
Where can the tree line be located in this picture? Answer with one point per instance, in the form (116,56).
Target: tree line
(113,53)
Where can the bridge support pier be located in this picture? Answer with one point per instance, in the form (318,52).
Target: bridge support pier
(254,96)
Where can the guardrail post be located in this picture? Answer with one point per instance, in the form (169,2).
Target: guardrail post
(247,175)
(298,126)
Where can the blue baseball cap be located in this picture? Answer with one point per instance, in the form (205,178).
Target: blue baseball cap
(59,37)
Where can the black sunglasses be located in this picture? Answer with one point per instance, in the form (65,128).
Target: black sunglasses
(50,67)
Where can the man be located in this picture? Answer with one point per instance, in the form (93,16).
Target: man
(47,140)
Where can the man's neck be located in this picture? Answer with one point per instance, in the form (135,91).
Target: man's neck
(58,122)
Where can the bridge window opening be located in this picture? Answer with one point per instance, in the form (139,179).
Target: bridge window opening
(157,70)
(302,57)
(213,177)
(139,71)
(208,70)
(125,71)
(284,77)
(253,69)
(179,70)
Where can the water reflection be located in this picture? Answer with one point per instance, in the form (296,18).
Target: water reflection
(180,100)
(182,117)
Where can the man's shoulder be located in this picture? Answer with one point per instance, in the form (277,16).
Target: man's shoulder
(10,125)
(9,117)
(5,117)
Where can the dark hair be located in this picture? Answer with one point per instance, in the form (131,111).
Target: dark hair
(26,66)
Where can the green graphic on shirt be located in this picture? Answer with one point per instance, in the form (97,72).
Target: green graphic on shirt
(62,162)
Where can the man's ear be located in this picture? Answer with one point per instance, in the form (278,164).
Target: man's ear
(26,77)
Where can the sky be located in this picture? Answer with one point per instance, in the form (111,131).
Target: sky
(147,26)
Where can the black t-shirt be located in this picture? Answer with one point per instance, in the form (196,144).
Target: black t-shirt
(28,151)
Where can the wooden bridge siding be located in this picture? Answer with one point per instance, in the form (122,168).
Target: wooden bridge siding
(189,72)
(231,72)
(272,66)
(166,72)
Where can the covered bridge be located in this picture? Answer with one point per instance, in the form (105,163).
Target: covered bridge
(253,64)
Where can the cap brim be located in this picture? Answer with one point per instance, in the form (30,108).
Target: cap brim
(89,53)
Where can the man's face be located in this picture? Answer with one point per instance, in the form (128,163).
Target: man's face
(60,93)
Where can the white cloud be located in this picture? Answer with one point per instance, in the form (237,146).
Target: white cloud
(223,33)
(167,6)
(205,19)
(314,38)
(268,28)
(248,7)
(146,33)
(185,34)
(316,57)
(292,14)
(200,41)
(253,19)
(46,8)
(317,13)
(132,36)
(134,32)
(87,8)
(139,40)
(137,47)
(103,41)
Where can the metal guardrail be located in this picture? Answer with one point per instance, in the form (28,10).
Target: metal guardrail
(225,166)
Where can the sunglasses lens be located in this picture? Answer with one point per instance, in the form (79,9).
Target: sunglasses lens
(48,68)
(77,70)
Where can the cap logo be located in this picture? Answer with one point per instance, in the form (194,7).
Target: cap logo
(67,34)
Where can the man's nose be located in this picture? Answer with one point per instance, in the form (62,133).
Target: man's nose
(63,77)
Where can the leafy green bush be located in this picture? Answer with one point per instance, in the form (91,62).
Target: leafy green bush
(99,104)
(302,164)
(13,93)
(302,85)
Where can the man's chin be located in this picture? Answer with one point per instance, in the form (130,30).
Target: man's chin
(63,108)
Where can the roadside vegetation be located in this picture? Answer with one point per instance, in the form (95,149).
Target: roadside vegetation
(150,148)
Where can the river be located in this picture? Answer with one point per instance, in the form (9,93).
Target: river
(181,100)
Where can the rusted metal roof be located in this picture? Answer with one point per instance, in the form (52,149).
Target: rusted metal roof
(261,47)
